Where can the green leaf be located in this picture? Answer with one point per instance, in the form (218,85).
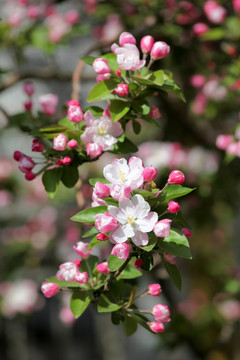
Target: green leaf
(136,127)
(129,325)
(51,179)
(144,193)
(130,272)
(89,264)
(79,302)
(171,86)
(95,110)
(114,263)
(39,39)
(118,109)
(93,231)
(89,215)
(176,244)
(94,242)
(141,106)
(102,89)
(142,320)
(124,147)
(88,59)
(176,191)
(152,242)
(69,176)
(66,123)
(147,259)
(112,61)
(105,305)
(117,317)
(158,77)
(180,220)
(93,181)
(63,283)
(217,33)
(174,274)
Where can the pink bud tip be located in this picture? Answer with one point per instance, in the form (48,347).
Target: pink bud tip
(81,278)
(72,144)
(101,66)
(118,72)
(138,263)
(121,251)
(49,289)
(37,146)
(66,160)
(159,50)
(30,176)
(154,289)
(17,155)
(147,44)
(173,207)
(78,262)
(127,38)
(186,232)
(102,237)
(155,113)
(156,327)
(103,268)
(28,105)
(149,173)
(122,90)
(28,88)
(94,150)
(176,177)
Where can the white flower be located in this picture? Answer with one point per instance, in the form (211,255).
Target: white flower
(128,57)
(135,220)
(101,131)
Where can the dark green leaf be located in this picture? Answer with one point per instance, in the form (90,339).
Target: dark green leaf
(174,274)
(105,305)
(124,147)
(136,126)
(117,317)
(147,259)
(51,179)
(63,283)
(118,109)
(94,242)
(95,110)
(114,263)
(102,89)
(141,106)
(69,176)
(129,325)
(176,244)
(79,302)
(89,215)
(93,231)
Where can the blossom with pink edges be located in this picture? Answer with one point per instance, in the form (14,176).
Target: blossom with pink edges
(236,5)
(122,90)
(101,190)
(75,113)
(105,222)
(101,67)
(118,192)
(37,146)
(135,220)
(128,57)
(159,50)
(103,77)
(161,313)
(162,228)
(97,201)
(94,150)
(155,113)
(81,277)
(102,237)
(25,164)
(146,44)
(101,131)
(71,16)
(119,172)
(186,232)
(72,144)
(156,327)
(223,141)
(154,289)
(103,268)
(67,271)
(81,249)
(48,103)
(60,142)
(200,28)
(234,148)
(121,251)
(214,12)
(127,38)
(176,177)
(49,289)
(150,173)
(173,207)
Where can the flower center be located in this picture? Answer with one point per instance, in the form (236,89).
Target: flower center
(102,129)
(130,220)
(122,176)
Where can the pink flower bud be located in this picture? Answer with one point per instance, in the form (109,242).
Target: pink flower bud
(103,77)
(49,289)
(223,141)
(101,190)
(162,228)
(155,112)
(66,160)
(121,251)
(146,44)
(122,90)
(214,12)
(72,144)
(30,176)
(101,66)
(159,50)
(26,164)
(94,150)
(103,268)
(73,103)
(33,12)
(138,263)
(78,262)
(81,278)
(173,207)
(102,237)
(114,47)
(236,5)
(200,28)
(75,113)
(28,88)
(106,112)
(105,222)
(161,313)
(198,80)
(127,38)
(60,142)
(176,177)
(154,289)
(71,17)
(37,146)
(149,173)
(48,103)
(67,271)
(118,72)
(118,192)
(186,232)
(81,249)
(28,105)
(156,327)
(169,258)
(17,155)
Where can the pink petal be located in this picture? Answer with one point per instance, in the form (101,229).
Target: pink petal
(140,238)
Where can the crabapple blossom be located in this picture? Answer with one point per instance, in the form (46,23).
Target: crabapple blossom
(101,67)
(127,38)
(28,105)
(101,130)
(161,313)
(156,327)
(200,28)
(30,176)
(97,201)
(66,160)
(176,177)
(103,268)
(81,278)
(37,146)
(93,150)
(26,164)
(28,88)
(33,12)
(134,220)
(75,113)
(173,207)
(102,237)
(48,103)
(214,12)
(123,174)
(122,90)
(149,173)
(155,112)
(146,44)
(72,144)
(223,141)
(162,228)
(81,249)
(67,271)
(103,77)
(159,50)
(105,222)
(234,148)
(121,251)
(169,258)
(154,289)
(72,17)
(118,192)
(236,5)
(101,190)
(49,289)
(78,262)
(198,80)
(17,155)
(60,142)
(128,57)
(186,232)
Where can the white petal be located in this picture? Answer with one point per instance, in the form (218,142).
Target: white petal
(89,118)
(128,230)
(140,239)
(117,214)
(118,235)
(142,207)
(147,223)
(127,207)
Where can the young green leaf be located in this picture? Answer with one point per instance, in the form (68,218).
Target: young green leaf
(89,215)
(118,109)
(102,89)
(176,244)
(176,191)
(130,272)
(93,181)
(79,302)
(114,263)
(93,231)
(105,305)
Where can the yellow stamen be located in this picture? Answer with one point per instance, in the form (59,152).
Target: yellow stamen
(122,176)
(102,129)
(130,220)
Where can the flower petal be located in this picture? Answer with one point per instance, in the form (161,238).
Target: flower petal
(117,214)
(140,238)
(141,206)
(118,235)
(147,223)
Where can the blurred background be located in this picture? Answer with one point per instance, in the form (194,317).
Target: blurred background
(41,42)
